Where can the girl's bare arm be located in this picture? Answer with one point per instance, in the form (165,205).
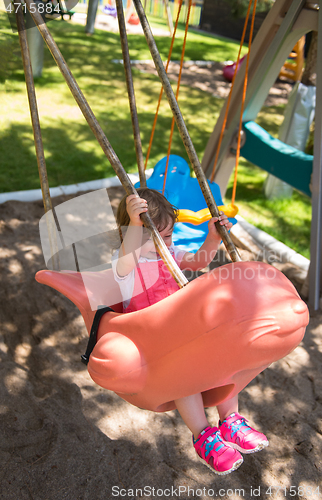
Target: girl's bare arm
(208,250)
(131,246)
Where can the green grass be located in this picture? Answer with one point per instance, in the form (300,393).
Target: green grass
(72,153)
(200,46)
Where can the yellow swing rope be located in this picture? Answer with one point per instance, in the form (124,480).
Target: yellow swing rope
(161,91)
(243,103)
(243,98)
(231,209)
(177,95)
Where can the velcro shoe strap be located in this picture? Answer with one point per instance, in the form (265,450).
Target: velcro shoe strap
(200,441)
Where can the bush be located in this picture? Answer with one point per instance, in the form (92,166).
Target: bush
(239,7)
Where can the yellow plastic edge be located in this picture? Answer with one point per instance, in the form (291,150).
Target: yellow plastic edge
(204,215)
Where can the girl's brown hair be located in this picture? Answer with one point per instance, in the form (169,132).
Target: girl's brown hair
(161,211)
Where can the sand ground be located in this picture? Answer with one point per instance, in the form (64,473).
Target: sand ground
(63,437)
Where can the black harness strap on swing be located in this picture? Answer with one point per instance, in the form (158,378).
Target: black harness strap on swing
(93,335)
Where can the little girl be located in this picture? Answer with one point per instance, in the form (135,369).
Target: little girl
(219,447)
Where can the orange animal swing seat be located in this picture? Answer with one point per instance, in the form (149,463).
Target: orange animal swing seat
(213,336)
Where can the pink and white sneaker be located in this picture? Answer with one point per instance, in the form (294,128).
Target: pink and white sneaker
(239,435)
(219,457)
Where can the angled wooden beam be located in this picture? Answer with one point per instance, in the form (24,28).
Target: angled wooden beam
(42,170)
(130,91)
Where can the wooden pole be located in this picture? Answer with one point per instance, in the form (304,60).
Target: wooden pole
(37,134)
(105,145)
(184,133)
(130,91)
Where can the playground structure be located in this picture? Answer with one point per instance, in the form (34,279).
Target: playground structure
(293,69)
(163,9)
(284,25)
(141,376)
(130,16)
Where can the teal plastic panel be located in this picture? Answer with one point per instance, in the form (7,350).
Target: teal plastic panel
(283,161)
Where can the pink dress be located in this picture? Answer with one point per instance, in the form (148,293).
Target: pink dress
(148,283)
(164,286)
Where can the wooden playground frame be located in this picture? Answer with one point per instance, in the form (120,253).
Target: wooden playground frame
(285,24)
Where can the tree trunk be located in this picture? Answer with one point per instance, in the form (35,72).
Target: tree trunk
(309,73)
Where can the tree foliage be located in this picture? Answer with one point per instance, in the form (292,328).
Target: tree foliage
(239,7)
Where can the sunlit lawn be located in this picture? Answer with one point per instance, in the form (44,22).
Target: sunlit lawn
(72,153)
